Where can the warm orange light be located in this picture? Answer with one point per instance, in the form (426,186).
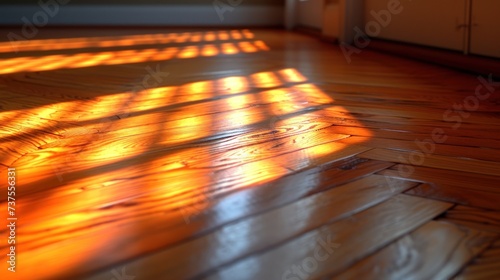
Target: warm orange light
(52,62)
(86,247)
(313,93)
(119,41)
(188,52)
(28,63)
(131,160)
(185,126)
(266,80)
(182,38)
(200,87)
(238,113)
(97,59)
(210,36)
(223,35)
(292,76)
(261,45)
(275,95)
(240,101)
(89,42)
(209,50)
(8,63)
(156,98)
(195,91)
(163,54)
(240,118)
(229,48)
(247,47)
(196,37)
(257,172)
(236,35)
(248,34)
(232,85)
(131,56)
(318,155)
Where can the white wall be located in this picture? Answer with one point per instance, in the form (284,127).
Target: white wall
(427,22)
(335,18)
(172,15)
(310,13)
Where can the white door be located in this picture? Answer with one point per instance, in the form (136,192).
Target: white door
(485,29)
(436,23)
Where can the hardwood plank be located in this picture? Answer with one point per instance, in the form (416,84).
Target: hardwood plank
(474,215)
(412,112)
(299,158)
(480,219)
(203,203)
(439,149)
(442,98)
(400,123)
(216,153)
(178,224)
(355,237)
(78,206)
(414,255)
(436,161)
(462,179)
(458,195)
(410,136)
(474,225)
(86,188)
(326,207)
(485,267)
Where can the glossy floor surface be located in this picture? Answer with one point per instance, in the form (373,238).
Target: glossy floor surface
(244,154)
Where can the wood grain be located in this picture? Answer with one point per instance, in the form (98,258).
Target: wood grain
(462,179)
(485,267)
(476,218)
(414,255)
(436,161)
(458,195)
(353,238)
(219,248)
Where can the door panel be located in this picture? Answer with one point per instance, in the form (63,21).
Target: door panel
(485,30)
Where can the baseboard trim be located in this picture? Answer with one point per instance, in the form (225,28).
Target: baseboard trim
(308,30)
(453,59)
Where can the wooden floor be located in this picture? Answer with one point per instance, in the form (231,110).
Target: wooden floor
(244,154)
